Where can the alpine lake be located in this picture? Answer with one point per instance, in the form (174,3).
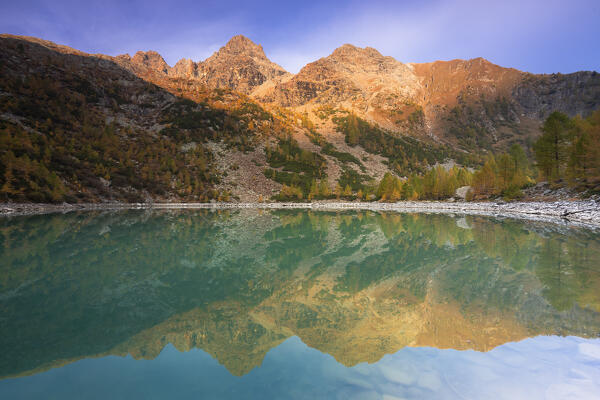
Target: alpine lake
(297,304)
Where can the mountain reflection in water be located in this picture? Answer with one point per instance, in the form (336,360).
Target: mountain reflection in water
(355,285)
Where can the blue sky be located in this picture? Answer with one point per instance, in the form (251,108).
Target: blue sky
(541,36)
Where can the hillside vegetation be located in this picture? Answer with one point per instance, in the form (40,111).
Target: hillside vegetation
(76,127)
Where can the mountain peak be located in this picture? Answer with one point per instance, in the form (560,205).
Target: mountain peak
(239,65)
(348,46)
(148,55)
(240,39)
(151,60)
(241,45)
(184,68)
(347,52)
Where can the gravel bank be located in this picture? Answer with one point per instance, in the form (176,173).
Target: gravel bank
(577,212)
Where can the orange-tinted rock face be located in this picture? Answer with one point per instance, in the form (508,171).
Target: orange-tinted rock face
(466,103)
(150,60)
(350,75)
(443,81)
(185,68)
(239,65)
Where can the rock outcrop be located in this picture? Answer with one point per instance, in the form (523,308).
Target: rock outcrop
(240,65)
(353,78)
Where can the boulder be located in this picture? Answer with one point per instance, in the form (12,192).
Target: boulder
(461,192)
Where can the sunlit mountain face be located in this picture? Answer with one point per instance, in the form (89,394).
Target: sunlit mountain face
(342,289)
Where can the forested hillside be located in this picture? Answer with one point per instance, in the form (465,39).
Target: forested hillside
(80,128)
(76,127)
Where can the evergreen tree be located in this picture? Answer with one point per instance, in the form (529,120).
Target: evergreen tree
(583,169)
(314,190)
(324,190)
(389,188)
(551,149)
(506,172)
(521,163)
(347,191)
(353,130)
(484,180)
(338,191)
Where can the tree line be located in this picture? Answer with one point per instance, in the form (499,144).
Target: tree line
(568,152)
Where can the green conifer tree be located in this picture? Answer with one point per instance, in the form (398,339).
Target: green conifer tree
(551,149)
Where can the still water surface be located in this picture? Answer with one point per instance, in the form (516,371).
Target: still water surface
(297,304)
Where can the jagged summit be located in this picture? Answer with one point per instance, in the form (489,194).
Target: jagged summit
(352,50)
(362,59)
(240,44)
(151,60)
(239,65)
(350,77)
(241,50)
(459,63)
(184,68)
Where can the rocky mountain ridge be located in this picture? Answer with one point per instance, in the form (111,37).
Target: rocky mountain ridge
(374,86)
(410,117)
(499,105)
(240,65)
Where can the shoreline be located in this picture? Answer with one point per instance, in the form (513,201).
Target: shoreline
(586,213)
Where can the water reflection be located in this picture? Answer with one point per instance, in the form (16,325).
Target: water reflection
(236,284)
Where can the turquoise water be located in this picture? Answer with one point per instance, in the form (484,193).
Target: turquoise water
(297,304)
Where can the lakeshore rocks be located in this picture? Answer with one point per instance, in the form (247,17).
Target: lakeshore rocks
(582,213)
